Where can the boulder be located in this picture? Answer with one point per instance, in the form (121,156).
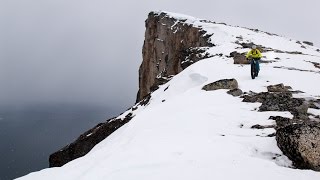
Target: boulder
(235,92)
(239,58)
(278,88)
(221,84)
(301,144)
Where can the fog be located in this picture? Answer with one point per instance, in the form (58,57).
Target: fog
(89,51)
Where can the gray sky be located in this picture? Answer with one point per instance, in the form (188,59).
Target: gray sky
(89,51)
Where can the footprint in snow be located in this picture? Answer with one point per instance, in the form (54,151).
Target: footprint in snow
(198,78)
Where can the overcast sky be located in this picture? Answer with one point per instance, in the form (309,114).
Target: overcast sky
(89,51)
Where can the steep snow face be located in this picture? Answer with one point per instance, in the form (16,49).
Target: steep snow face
(187,133)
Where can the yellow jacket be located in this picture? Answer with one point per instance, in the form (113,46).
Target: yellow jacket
(254,53)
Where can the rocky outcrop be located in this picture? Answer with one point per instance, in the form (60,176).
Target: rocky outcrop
(221,84)
(239,58)
(170,46)
(86,141)
(278,88)
(299,137)
(279,101)
(301,143)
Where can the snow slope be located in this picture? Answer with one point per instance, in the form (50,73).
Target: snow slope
(187,133)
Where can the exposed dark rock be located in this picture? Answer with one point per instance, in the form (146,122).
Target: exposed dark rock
(240,38)
(278,88)
(86,141)
(159,81)
(279,101)
(317,65)
(247,45)
(308,43)
(293,52)
(239,58)
(271,135)
(282,121)
(278,51)
(298,138)
(168,43)
(92,137)
(258,126)
(295,69)
(192,55)
(301,144)
(284,102)
(315,104)
(235,92)
(145,101)
(221,84)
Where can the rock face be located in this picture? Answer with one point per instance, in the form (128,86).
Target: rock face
(222,84)
(301,143)
(170,46)
(86,141)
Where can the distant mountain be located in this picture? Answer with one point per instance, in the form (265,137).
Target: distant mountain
(200,115)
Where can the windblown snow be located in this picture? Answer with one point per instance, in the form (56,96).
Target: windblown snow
(187,133)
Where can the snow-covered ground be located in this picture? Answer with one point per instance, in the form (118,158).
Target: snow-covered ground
(187,133)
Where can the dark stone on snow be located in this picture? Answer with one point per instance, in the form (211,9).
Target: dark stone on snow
(158,82)
(258,126)
(192,55)
(221,84)
(279,101)
(315,104)
(278,88)
(282,121)
(271,135)
(239,58)
(301,144)
(308,43)
(235,92)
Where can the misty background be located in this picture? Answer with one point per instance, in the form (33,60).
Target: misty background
(74,63)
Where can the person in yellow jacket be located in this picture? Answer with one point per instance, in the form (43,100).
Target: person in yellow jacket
(254,54)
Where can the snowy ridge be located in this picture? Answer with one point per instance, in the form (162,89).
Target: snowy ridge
(187,133)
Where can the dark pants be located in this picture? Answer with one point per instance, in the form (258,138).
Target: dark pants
(257,63)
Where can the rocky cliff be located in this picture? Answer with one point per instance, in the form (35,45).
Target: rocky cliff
(192,124)
(170,46)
